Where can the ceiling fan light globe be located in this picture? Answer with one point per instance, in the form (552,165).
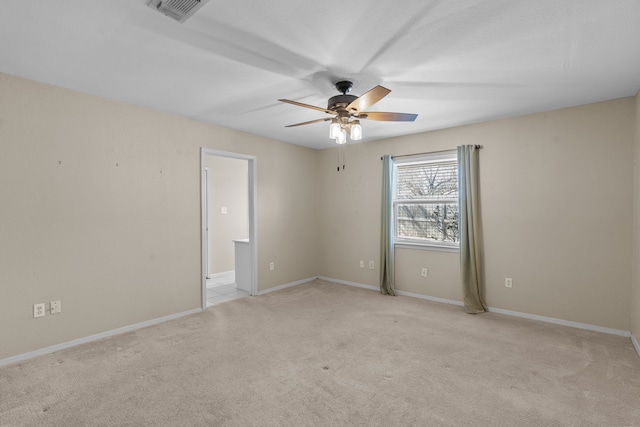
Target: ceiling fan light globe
(334,130)
(356,132)
(342,137)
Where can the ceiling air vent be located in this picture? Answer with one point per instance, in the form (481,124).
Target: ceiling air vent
(180,10)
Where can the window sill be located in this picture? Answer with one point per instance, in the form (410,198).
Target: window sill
(426,247)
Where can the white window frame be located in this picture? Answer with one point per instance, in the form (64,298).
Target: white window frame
(445,156)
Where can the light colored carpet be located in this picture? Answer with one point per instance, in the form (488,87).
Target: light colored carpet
(323,354)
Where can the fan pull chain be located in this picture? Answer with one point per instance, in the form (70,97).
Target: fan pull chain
(344,157)
(342,154)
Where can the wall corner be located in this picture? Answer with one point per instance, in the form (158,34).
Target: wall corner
(635,274)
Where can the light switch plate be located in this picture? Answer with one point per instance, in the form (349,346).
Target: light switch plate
(56,307)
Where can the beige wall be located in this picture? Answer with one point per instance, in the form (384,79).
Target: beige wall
(100,208)
(635,310)
(557,202)
(228,188)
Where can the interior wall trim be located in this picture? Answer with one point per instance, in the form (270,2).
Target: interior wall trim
(345,282)
(47,350)
(561,322)
(430,298)
(287,285)
(253,215)
(224,273)
(634,341)
(51,349)
(545,319)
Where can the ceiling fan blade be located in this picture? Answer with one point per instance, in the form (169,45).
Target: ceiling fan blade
(309,122)
(368,99)
(313,107)
(388,117)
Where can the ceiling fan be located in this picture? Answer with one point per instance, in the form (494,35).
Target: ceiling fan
(348,110)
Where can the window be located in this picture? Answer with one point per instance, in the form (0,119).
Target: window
(425,200)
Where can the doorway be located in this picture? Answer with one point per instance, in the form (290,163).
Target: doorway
(229,244)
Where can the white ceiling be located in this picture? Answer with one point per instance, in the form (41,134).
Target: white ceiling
(451,62)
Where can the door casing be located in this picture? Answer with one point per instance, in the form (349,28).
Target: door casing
(253,233)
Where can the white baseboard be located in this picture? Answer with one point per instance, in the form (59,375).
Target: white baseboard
(47,350)
(224,273)
(91,338)
(430,298)
(561,322)
(545,319)
(286,285)
(401,293)
(635,344)
(344,282)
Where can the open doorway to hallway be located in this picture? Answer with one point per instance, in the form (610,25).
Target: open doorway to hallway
(228,195)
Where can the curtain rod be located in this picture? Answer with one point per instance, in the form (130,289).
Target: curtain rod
(429,152)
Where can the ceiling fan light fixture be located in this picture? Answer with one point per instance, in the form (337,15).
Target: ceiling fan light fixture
(334,129)
(342,137)
(356,131)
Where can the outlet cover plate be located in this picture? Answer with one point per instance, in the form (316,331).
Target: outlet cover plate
(38,310)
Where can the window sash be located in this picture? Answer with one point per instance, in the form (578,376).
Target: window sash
(437,224)
(426,181)
(448,201)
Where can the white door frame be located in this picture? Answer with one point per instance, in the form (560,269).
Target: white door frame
(253,232)
(205,215)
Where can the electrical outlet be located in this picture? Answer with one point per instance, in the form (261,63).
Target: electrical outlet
(371,265)
(38,310)
(361,264)
(424,272)
(508,282)
(56,307)
(272,266)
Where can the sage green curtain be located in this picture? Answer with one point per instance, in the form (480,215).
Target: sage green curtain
(386,241)
(469,224)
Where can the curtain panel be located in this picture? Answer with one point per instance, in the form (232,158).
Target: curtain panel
(387,286)
(469,224)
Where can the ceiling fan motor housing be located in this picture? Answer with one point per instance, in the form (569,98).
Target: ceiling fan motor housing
(340,101)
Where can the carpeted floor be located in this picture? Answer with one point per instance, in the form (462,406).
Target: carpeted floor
(323,354)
